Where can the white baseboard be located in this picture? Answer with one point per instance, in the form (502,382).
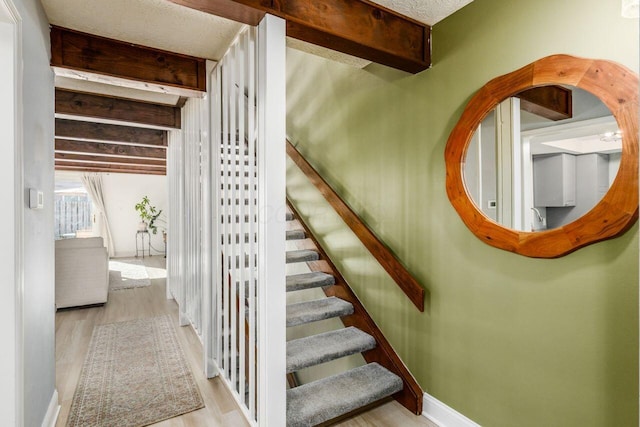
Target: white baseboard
(53,410)
(183,319)
(212,370)
(443,415)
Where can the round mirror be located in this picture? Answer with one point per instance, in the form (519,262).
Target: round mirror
(544,160)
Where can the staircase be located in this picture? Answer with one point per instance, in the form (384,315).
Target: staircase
(334,397)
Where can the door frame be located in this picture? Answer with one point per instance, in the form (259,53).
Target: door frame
(11,161)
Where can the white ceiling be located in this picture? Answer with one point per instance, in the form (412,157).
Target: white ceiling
(164,25)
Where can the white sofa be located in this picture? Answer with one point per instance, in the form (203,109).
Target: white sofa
(82,272)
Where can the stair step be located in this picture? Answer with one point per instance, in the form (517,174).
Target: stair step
(312,311)
(330,397)
(295,235)
(289,215)
(316,349)
(302,255)
(298,282)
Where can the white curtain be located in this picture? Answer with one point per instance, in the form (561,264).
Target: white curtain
(93,184)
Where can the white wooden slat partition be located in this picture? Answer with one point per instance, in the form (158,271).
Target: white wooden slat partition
(195,136)
(184,242)
(226,242)
(248,117)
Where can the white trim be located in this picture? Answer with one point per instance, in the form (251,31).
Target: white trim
(52,411)
(443,415)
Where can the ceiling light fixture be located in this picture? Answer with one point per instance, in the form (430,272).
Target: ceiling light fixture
(611,136)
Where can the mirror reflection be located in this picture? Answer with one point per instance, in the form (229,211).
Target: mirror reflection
(542,158)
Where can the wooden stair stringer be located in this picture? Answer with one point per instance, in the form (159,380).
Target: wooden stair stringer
(411,396)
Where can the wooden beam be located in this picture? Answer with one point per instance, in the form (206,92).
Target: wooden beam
(181,101)
(361,29)
(551,102)
(107,170)
(355,27)
(87,147)
(90,54)
(94,158)
(80,104)
(89,131)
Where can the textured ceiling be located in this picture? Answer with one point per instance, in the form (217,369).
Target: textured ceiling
(427,11)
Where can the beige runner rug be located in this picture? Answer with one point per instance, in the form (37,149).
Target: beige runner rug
(135,374)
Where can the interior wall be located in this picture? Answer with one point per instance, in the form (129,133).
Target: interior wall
(122,192)
(38,297)
(505,339)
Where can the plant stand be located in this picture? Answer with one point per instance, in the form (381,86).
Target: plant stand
(140,237)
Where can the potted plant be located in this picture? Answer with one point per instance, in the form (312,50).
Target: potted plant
(149,215)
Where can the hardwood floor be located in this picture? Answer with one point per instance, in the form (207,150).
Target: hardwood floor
(73,332)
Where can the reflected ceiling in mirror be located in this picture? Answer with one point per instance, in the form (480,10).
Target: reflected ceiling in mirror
(537,163)
(550,107)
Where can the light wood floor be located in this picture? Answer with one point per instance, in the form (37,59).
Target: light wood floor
(73,332)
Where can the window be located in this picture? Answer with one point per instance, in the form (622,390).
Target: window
(73,209)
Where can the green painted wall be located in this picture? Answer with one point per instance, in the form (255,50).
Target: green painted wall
(506,340)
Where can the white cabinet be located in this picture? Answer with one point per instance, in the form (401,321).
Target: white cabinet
(554,180)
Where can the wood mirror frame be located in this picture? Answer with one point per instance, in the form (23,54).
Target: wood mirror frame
(617,211)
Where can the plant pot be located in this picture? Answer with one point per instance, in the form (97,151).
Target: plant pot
(142,226)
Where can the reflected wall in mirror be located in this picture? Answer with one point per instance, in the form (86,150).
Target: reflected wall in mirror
(535,164)
(544,160)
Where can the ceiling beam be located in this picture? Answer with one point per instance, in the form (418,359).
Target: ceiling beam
(94,158)
(90,56)
(181,101)
(108,168)
(550,102)
(79,104)
(355,27)
(88,131)
(87,147)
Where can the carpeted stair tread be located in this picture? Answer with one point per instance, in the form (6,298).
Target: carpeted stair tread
(320,348)
(330,397)
(302,255)
(298,282)
(295,235)
(320,309)
(289,215)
